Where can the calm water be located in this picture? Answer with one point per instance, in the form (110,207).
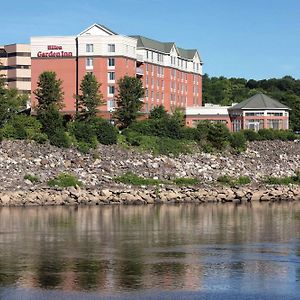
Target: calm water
(151,252)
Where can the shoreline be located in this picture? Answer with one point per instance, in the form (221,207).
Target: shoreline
(128,195)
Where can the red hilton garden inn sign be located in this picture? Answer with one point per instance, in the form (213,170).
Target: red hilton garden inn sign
(54,51)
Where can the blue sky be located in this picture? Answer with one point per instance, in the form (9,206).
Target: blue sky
(236,38)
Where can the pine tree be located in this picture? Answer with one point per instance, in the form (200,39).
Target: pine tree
(91,98)
(128,100)
(49,92)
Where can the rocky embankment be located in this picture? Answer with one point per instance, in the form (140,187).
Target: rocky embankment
(97,172)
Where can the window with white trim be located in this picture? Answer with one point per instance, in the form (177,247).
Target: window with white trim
(111,76)
(89,48)
(89,62)
(111,62)
(111,48)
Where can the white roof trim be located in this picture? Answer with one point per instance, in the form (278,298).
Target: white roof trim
(99,26)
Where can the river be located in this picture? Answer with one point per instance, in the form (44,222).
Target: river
(222,251)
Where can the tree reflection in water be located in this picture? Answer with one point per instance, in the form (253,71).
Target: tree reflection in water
(120,248)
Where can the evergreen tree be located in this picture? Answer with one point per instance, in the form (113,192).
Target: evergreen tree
(49,92)
(10,102)
(128,100)
(49,95)
(91,98)
(158,112)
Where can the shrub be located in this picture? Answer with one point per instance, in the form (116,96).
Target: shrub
(105,132)
(158,112)
(284,180)
(201,132)
(1,135)
(250,135)
(266,134)
(218,135)
(24,127)
(241,180)
(224,179)
(238,141)
(186,181)
(59,138)
(133,179)
(64,180)
(84,135)
(31,178)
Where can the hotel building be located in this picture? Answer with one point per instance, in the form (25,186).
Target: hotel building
(171,76)
(15,65)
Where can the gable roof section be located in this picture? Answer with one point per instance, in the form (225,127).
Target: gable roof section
(143,42)
(164,47)
(100,27)
(259,101)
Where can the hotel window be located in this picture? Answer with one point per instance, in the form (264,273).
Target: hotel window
(111,62)
(89,62)
(89,47)
(146,93)
(254,114)
(147,54)
(160,57)
(146,81)
(111,89)
(111,75)
(152,94)
(275,124)
(111,48)
(275,114)
(111,103)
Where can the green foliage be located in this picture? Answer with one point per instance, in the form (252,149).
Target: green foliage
(59,138)
(133,179)
(128,100)
(186,181)
(52,125)
(10,103)
(105,132)
(238,141)
(50,96)
(64,180)
(283,180)
(215,134)
(227,180)
(84,133)
(158,145)
(158,112)
(218,135)
(49,92)
(32,178)
(251,135)
(24,127)
(90,98)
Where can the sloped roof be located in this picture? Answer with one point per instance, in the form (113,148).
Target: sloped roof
(165,47)
(100,26)
(187,53)
(259,101)
(144,42)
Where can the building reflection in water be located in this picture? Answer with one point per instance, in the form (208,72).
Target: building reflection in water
(120,248)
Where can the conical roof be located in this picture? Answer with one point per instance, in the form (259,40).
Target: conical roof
(259,101)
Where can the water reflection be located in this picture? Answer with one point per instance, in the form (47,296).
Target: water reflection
(118,248)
